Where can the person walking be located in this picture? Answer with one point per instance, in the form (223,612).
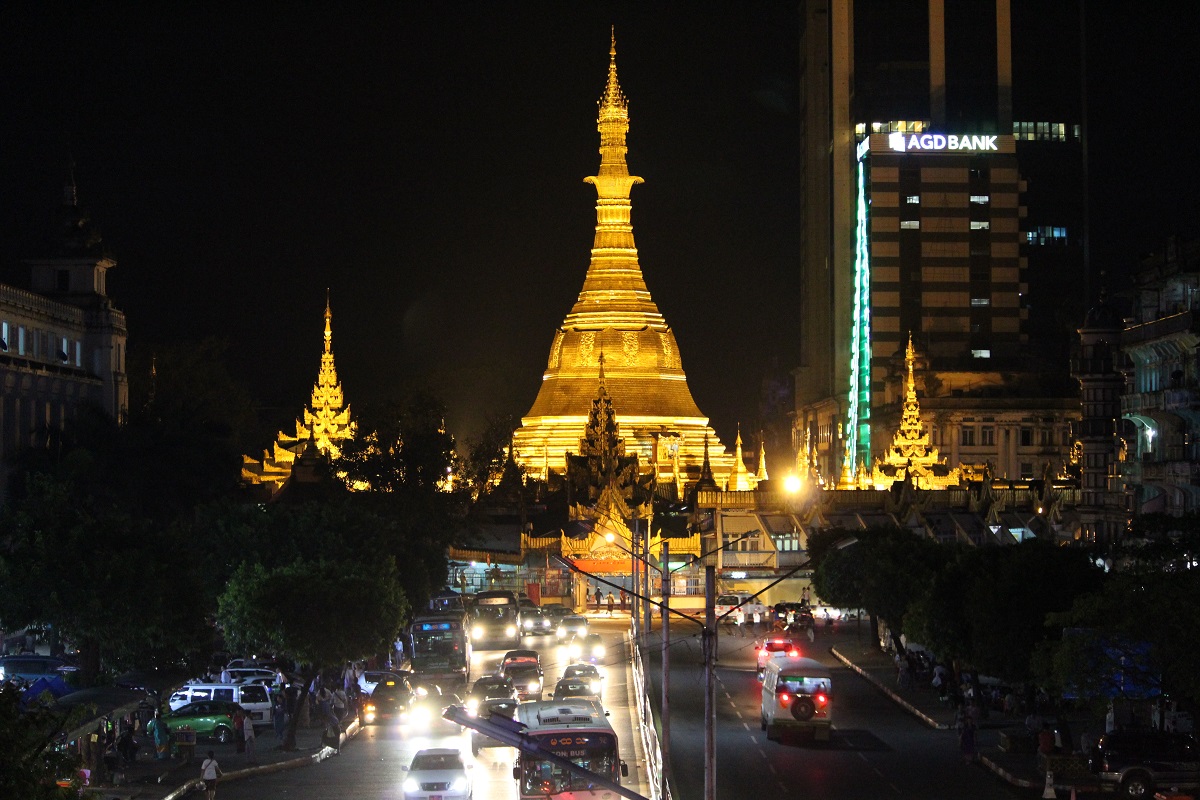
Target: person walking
(248,737)
(611,602)
(340,702)
(210,771)
(279,714)
(161,735)
(623,599)
(599,598)
(239,736)
(966,739)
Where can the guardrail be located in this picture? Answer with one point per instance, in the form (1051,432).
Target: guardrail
(649,729)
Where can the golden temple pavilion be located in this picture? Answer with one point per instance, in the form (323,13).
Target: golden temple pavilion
(616,316)
(325,425)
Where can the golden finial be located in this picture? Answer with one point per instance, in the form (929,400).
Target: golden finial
(613,102)
(328,328)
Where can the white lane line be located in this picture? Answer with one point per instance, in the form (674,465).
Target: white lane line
(739,714)
(746,725)
(753,738)
(863,757)
(771,767)
(894,788)
(762,752)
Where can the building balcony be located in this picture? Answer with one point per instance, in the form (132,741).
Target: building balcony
(748,559)
(1141,402)
(1180,399)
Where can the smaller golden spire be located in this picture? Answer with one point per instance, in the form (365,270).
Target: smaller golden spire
(762,457)
(613,103)
(328,327)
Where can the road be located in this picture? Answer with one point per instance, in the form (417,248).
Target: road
(877,750)
(370,767)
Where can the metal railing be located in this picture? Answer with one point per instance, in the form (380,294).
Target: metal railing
(649,729)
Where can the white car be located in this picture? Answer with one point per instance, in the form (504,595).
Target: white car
(437,773)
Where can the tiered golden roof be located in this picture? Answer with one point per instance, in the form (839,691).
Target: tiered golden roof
(326,424)
(615,315)
(912,453)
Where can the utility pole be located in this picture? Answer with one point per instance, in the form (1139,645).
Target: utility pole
(635,605)
(710,684)
(665,737)
(648,609)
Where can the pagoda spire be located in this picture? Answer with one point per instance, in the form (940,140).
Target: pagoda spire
(762,457)
(327,420)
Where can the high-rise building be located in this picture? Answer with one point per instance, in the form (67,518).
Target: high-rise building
(616,318)
(942,200)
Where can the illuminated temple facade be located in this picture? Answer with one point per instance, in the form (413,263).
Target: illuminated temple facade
(325,425)
(615,316)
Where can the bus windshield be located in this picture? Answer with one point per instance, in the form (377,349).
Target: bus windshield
(595,752)
(437,648)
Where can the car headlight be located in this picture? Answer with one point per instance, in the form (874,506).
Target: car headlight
(420,716)
(459,784)
(598,651)
(476,633)
(511,630)
(534,686)
(561,633)
(595,686)
(528,623)
(411,785)
(472,704)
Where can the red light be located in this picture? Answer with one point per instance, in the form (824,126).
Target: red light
(784,699)
(793,653)
(821,699)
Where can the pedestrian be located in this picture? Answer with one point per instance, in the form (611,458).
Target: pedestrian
(623,597)
(226,676)
(210,771)
(341,701)
(161,734)
(966,739)
(279,714)
(804,600)
(248,738)
(239,736)
(611,602)
(325,705)
(599,598)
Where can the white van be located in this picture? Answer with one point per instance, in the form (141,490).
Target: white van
(797,693)
(255,698)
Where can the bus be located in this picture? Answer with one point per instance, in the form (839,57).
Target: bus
(574,728)
(441,649)
(493,619)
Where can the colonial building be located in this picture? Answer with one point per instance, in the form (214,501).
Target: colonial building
(616,316)
(324,425)
(62,342)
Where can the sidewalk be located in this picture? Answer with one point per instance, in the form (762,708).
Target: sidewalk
(174,778)
(1017,768)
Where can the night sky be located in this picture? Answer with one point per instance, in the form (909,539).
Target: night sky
(425,162)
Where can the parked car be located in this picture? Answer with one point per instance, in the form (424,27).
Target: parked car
(254,698)
(437,773)
(210,719)
(1138,761)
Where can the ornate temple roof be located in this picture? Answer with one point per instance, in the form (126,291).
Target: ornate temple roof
(614,315)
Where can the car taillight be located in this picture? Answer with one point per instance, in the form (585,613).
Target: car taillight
(785,699)
(821,699)
(793,653)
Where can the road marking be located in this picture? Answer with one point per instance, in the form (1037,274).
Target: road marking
(863,757)
(746,725)
(739,714)
(782,788)
(728,696)
(753,738)
(762,752)
(771,767)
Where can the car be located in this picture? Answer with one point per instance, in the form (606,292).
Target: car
(1137,762)
(585,672)
(524,667)
(591,648)
(389,701)
(504,707)
(369,679)
(573,625)
(427,706)
(243,674)
(437,773)
(576,687)
(487,688)
(210,719)
(556,611)
(253,698)
(775,647)
(533,622)
(28,668)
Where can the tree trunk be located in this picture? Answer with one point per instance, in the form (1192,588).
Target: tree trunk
(89,662)
(289,735)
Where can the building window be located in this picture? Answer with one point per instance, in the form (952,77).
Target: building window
(79,354)
(1046,438)
(987,435)
(1047,235)
(980,225)
(64,351)
(913,199)
(910,224)
(1027,469)
(968,437)
(20,340)
(4,337)
(981,354)
(981,199)
(1026,437)
(981,301)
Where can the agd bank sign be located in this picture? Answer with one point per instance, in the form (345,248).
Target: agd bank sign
(904,142)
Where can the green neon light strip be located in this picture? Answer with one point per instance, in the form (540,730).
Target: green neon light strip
(858,425)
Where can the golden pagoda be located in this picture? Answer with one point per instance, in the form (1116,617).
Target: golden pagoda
(325,424)
(616,316)
(911,452)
